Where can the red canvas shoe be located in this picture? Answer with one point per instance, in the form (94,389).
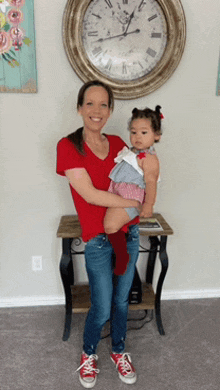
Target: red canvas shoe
(124,367)
(88,370)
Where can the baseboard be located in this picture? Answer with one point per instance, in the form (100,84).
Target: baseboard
(60,300)
(32,301)
(190,294)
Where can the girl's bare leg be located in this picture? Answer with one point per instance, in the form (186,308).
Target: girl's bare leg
(115,218)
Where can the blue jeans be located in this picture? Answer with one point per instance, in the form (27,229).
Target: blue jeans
(109,293)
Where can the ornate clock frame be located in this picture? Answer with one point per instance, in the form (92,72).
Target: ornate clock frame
(176,36)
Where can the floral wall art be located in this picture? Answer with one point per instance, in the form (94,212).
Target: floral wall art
(18,71)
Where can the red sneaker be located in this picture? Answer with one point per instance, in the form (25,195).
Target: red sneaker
(88,370)
(125,369)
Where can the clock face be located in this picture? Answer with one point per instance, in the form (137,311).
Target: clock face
(124,39)
(134,46)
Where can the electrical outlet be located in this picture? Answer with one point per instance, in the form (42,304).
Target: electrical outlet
(37,263)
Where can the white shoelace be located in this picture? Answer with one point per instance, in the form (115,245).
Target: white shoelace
(89,369)
(126,367)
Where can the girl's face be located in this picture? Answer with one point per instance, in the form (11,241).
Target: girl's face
(141,134)
(95,110)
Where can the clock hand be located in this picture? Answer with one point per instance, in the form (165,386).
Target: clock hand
(120,35)
(129,22)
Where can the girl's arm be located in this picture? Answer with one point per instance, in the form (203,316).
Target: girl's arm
(82,183)
(150,166)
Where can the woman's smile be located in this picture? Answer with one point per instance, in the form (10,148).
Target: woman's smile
(94,119)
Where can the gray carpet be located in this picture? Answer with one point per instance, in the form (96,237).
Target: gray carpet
(33,355)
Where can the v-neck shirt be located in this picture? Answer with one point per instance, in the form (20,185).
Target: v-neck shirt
(90,216)
(87,146)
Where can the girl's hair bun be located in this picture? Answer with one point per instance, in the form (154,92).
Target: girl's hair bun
(135,110)
(157,109)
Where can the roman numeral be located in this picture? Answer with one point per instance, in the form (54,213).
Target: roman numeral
(124,68)
(93,33)
(156,35)
(108,2)
(97,51)
(151,52)
(152,17)
(97,16)
(140,5)
(109,64)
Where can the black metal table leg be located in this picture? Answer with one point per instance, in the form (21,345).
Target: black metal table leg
(67,276)
(154,243)
(164,264)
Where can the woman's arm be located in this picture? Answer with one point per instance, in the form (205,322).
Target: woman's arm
(82,183)
(150,166)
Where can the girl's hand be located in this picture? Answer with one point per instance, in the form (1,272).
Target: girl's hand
(147,210)
(139,207)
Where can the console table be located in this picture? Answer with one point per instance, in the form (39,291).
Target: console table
(77,298)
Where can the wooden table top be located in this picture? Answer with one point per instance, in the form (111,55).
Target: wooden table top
(69,227)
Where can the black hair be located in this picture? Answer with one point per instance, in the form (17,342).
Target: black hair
(77,136)
(147,113)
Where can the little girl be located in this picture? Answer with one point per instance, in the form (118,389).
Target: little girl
(134,177)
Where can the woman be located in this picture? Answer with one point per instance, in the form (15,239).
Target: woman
(86,158)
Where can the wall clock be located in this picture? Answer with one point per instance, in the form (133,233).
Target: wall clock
(132,45)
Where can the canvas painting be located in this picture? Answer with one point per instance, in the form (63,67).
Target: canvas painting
(18,72)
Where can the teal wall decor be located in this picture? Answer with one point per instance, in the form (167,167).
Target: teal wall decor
(218,79)
(18,72)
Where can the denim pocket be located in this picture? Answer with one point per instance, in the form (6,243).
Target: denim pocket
(133,233)
(97,242)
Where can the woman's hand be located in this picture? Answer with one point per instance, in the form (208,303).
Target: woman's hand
(146,210)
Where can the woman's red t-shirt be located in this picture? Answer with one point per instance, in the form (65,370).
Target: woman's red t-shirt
(90,216)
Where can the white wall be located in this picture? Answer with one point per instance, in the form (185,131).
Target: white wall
(33,197)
